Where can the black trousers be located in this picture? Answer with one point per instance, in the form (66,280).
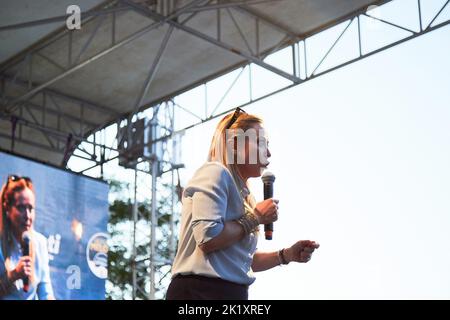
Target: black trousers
(195,287)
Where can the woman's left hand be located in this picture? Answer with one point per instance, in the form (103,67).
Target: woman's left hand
(301,251)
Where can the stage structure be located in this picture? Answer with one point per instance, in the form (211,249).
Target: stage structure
(61,90)
(141,149)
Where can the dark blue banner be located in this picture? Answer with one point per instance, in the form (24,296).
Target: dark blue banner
(72,213)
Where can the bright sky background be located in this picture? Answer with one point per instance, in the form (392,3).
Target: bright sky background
(361,157)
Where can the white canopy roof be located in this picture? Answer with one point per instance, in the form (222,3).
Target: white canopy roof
(121,43)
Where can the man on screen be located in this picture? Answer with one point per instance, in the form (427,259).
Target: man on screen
(24,269)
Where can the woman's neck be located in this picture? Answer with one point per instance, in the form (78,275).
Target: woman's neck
(241,175)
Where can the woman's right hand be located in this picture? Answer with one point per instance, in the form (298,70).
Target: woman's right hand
(267,211)
(22,269)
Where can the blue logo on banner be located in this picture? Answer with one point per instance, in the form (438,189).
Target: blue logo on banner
(97,255)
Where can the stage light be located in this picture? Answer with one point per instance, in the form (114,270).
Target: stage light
(77,229)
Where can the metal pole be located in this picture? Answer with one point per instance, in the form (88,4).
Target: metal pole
(172,222)
(155,16)
(152,72)
(153,216)
(135,220)
(172,204)
(172,247)
(153,230)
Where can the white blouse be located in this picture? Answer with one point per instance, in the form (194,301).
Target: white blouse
(210,198)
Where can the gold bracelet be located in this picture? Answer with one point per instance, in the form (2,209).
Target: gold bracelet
(249,222)
(280,261)
(281,257)
(243,224)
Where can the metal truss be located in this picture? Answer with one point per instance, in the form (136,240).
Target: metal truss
(301,71)
(155,173)
(155,168)
(67,131)
(64,132)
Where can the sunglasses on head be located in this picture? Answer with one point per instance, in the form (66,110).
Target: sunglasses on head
(234,117)
(15,178)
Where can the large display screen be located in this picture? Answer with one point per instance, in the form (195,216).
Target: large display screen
(71,211)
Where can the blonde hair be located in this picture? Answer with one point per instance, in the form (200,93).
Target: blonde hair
(219,144)
(8,192)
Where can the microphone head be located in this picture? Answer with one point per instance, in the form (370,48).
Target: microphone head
(268,177)
(26,237)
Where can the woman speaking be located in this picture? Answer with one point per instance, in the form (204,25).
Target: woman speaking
(24,273)
(216,256)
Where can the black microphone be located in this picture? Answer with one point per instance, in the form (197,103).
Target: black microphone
(268,178)
(26,252)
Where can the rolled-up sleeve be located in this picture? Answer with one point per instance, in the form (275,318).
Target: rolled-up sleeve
(209,194)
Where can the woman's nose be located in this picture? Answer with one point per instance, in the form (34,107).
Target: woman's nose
(28,213)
